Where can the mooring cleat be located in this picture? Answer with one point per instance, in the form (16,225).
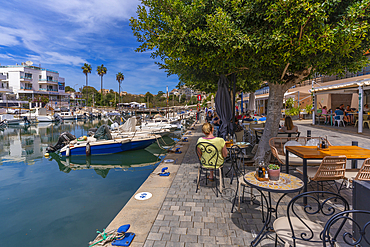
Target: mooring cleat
(124,241)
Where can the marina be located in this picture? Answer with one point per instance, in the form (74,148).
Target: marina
(63,200)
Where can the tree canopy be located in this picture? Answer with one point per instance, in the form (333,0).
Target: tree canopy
(281,42)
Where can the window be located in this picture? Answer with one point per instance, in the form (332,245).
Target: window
(40,76)
(28,75)
(49,78)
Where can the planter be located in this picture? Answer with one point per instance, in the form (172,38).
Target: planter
(274,175)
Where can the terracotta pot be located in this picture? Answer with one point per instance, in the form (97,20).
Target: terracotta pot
(274,175)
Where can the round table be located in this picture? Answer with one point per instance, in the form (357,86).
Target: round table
(286,184)
(234,150)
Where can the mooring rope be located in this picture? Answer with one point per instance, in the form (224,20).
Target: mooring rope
(105,237)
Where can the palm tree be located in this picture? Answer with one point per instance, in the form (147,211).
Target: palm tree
(101,71)
(119,77)
(86,69)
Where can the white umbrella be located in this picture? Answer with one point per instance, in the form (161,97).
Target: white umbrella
(252,102)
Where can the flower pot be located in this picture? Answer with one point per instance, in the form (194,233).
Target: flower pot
(274,175)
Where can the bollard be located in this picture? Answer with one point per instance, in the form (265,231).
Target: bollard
(308,133)
(354,162)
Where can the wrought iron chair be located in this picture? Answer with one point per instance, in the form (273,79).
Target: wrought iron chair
(208,156)
(301,226)
(356,221)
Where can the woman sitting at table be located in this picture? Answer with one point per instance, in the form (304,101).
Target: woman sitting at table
(324,113)
(288,126)
(366,109)
(218,142)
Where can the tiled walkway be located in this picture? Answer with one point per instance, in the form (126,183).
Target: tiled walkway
(201,219)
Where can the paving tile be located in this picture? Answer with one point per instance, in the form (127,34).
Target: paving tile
(154,236)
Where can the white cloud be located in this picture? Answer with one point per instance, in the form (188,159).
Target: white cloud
(57,58)
(8,40)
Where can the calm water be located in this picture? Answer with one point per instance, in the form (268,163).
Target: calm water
(62,202)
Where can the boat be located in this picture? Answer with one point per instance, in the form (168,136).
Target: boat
(129,128)
(40,115)
(70,115)
(101,143)
(11,120)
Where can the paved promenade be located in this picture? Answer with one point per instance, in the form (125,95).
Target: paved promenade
(201,219)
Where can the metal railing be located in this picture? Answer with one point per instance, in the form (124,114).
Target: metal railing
(48,80)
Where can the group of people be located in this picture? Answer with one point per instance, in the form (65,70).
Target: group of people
(346,112)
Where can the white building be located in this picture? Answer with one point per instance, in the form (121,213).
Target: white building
(27,82)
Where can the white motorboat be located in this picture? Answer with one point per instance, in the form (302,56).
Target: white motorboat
(129,128)
(68,115)
(11,120)
(39,114)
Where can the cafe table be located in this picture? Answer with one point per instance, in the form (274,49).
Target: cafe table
(235,150)
(313,153)
(286,184)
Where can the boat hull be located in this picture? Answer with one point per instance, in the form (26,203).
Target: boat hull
(109,147)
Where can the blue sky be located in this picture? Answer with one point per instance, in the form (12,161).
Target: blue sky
(63,34)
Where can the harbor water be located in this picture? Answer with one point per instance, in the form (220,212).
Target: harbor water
(63,202)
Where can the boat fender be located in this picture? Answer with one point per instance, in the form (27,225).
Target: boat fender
(178,151)
(68,151)
(88,149)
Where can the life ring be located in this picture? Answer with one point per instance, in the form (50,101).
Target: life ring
(88,149)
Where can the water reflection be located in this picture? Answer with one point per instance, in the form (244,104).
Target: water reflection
(102,163)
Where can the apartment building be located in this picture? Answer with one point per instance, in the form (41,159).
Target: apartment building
(27,81)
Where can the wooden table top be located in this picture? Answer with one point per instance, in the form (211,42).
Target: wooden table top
(311,152)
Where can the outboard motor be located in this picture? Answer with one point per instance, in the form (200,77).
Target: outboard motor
(63,140)
(58,117)
(92,131)
(26,121)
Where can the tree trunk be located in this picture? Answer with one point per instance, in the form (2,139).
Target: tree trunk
(87,92)
(101,90)
(274,106)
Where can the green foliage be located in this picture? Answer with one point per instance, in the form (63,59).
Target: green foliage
(293,111)
(41,99)
(69,89)
(308,108)
(280,42)
(274,167)
(86,69)
(289,103)
(101,70)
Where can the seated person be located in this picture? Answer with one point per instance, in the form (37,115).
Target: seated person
(217,123)
(337,113)
(324,113)
(348,118)
(238,116)
(248,118)
(366,108)
(209,117)
(237,126)
(288,126)
(218,142)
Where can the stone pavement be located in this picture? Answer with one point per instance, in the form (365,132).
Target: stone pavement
(201,219)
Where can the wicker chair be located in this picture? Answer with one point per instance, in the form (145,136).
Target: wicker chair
(278,152)
(332,168)
(362,174)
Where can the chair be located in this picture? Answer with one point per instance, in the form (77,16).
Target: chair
(364,120)
(347,228)
(278,152)
(208,156)
(362,174)
(239,136)
(340,120)
(301,225)
(332,168)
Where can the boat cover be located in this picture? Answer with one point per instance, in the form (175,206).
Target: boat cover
(103,133)
(129,126)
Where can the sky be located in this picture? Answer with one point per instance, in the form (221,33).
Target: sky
(62,35)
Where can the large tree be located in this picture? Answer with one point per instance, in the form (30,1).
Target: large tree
(101,72)
(86,69)
(278,42)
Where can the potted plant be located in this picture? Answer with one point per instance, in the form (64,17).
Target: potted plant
(274,172)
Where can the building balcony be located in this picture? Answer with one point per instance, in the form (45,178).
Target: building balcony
(26,78)
(46,81)
(6,89)
(52,90)
(26,88)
